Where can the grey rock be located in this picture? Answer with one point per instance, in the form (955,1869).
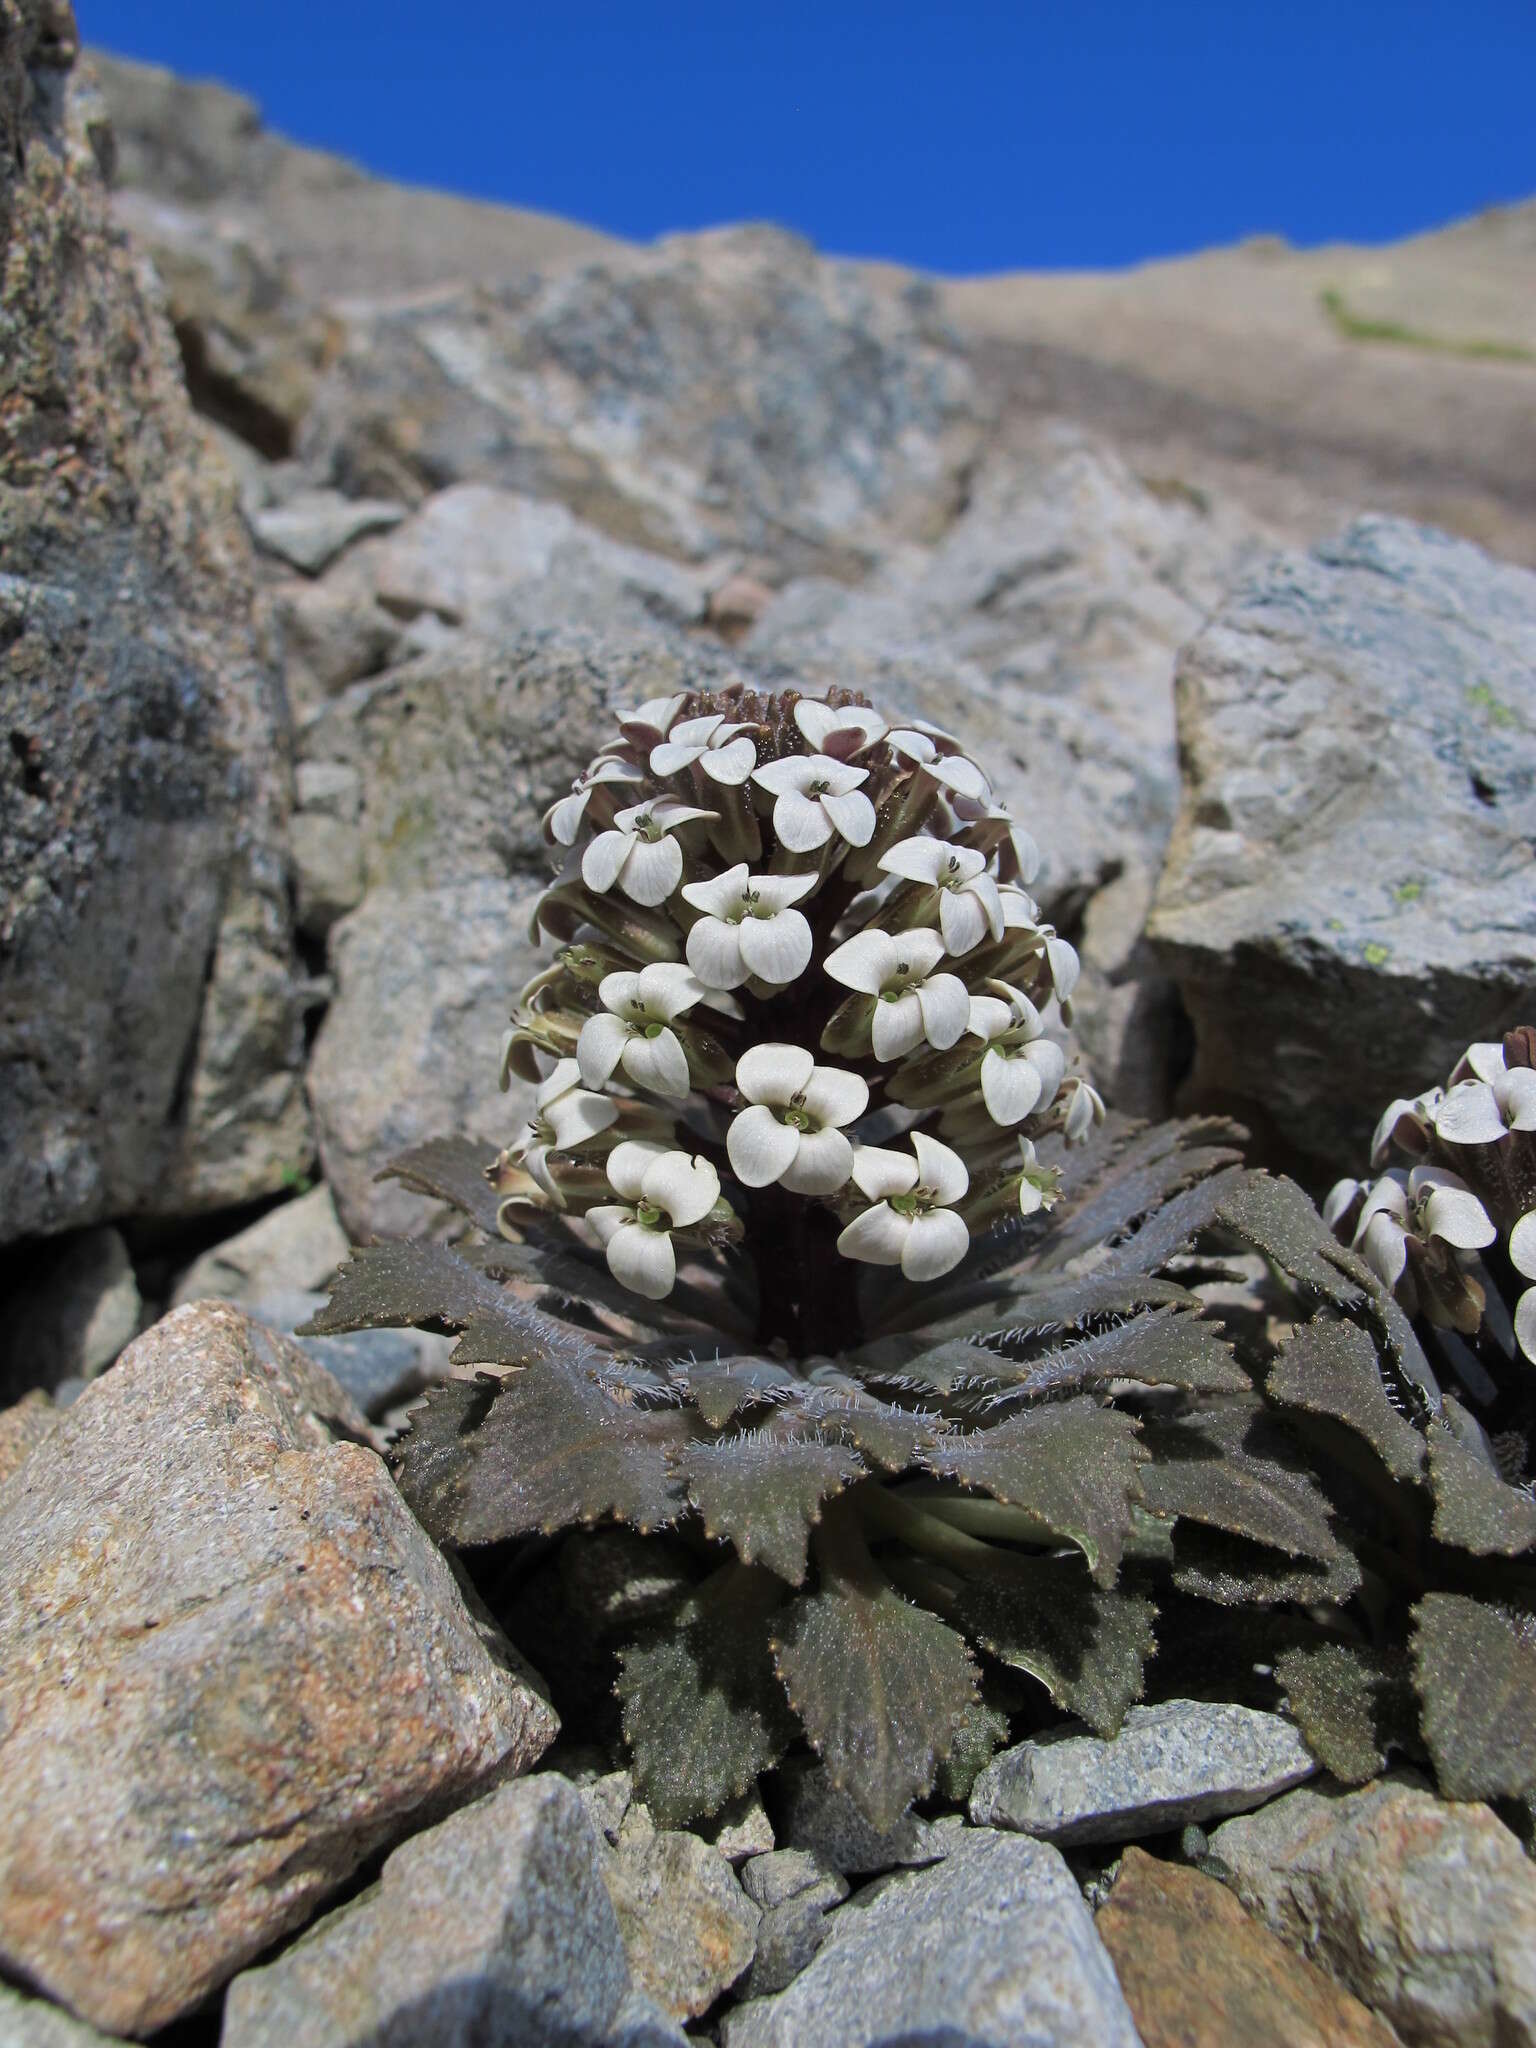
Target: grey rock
(328,876)
(740,1829)
(77,1309)
(689,1929)
(641,2023)
(782,1874)
(313,527)
(333,634)
(992,1949)
(150,797)
(1181,1761)
(295,1247)
(491,1929)
(34,2023)
(607,1796)
(328,789)
(1424,1909)
(23,1426)
(231,1667)
(1350,895)
(796,1892)
(819,1817)
(381,1370)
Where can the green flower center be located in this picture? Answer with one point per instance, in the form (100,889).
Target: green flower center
(649,1217)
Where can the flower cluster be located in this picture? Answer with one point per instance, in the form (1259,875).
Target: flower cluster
(1442,1231)
(801,999)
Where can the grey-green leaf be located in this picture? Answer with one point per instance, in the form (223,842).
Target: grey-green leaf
(762,1490)
(1476,1680)
(1085,1645)
(1272,1214)
(451,1170)
(386,1286)
(1229,1466)
(1163,1350)
(1332,1368)
(1352,1703)
(1474,1508)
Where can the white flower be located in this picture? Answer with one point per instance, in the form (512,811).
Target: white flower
(841,733)
(815,796)
(913,1224)
(749,928)
(990,827)
(722,750)
(969,905)
(640,853)
(662,1191)
(562,821)
(1479,1111)
(1039,1185)
(634,1030)
(921,742)
(791,1131)
(1084,1110)
(1405,1123)
(1021,1070)
(565,1115)
(1428,1202)
(912,1002)
(649,723)
(1522,1256)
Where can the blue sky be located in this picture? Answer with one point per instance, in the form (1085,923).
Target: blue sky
(962,138)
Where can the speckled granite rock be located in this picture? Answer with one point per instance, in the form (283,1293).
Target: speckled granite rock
(689,1929)
(34,2023)
(231,1666)
(22,1428)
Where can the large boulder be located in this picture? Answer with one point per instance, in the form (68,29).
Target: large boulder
(231,1667)
(150,1028)
(1350,894)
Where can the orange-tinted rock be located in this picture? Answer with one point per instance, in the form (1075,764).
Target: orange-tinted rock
(22,1428)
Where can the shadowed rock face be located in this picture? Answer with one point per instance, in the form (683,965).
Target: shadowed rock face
(149,1034)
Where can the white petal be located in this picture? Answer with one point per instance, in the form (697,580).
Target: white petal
(778,892)
(1525,1323)
(915,745)
(922,950)
(667,988)
(698,732)
(673,756)
(562,1075)
(617,991)
(962,919)
(1050,1063)
(652,872)
(777,948)
(564,818)
(759,1147)
(629,1163)
(1338,1201)
(714,953)
(668,813)
(864,962)
(685,1185)
(720,895)
(580,1115)
(834,1096)
(877,1237)
(1517,1098)
(853,814)
(989,1018)
(897,1026)
(956,772)
(917,860)
(792,772)
(603,860)
(800,824)
(774,1072)
(1457,1216)
(935,1244)
(1385,1244)
(946,1009)
(878,1171)
(658,1063)
(1387,1197)
(815,720)
(985,891)
(600,1048)
(1010,1087)
(730,764)
(608,1218)
(655,714)
(939,1169)
(1468,1114)
(821,1165)
(1399,1113)
(643,1261)
(1522,1245)
(1484,1060)
(1064,966)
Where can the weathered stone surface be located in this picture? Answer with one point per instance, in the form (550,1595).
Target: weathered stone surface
(1426,1910)
(149,797)
(796,1891)
(75,1312)
(1197,1972)
(34,2023)
(993,1948)
(231,1665)
(310,529)
(817,1816)
(740,1829)
(689,1929)
(492,1928)
(297,1245)
(1350,895)
(23,1426)
(1182,1761)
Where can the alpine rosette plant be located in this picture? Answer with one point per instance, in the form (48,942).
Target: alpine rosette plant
(816,1255)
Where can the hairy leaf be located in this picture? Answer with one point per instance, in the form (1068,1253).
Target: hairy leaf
(1231,1571)
(1474,1508)
(1039,1308)
(1140,1178)
(981,1733)
(1086,1646)
(1228,1466)
(1475,1670)
(763,1491)
(1163,1350)
(890,1437)
(704,1711)
(551,1447)
(1332,1368)
(728,1386)
(879,1685)
(386,1286)
(1174,1227)
(1352,1703)
(451,1170)
(1072,1464)
(1403,1346)
(1273,1215)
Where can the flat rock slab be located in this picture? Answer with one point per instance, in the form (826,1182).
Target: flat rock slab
(1183,1761)
(492,1928)
(1350,891)
(34,2023)
(993,1948)
(689,1929)
(1197,1972)
(1425,1909)
(231,1666)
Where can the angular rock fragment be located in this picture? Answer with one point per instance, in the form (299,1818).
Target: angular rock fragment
(689,1928)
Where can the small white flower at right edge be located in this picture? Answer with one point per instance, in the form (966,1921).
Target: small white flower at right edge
(913,1222)
(791,1131)
(1522,1256)
(1486,1099)
(1427,1203)
(662,1191)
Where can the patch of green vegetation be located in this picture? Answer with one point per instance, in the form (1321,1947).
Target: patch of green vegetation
(1497,711)
(1408,892)
(1356,327)
(1376,954)
(295,1180)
